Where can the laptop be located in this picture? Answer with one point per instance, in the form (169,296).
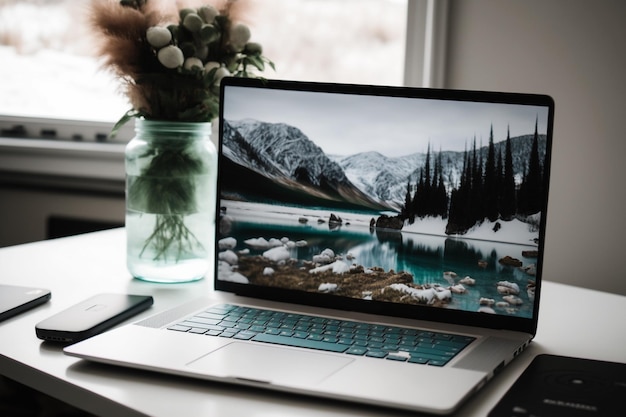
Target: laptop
(380,245)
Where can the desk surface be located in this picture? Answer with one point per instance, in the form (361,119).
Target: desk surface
(573,322)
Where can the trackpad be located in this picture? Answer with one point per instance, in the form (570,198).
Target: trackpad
(269,364)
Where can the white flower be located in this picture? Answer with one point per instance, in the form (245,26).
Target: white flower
(239,36)
(254,48)
(192,62)
(210,65)
(171,57)
(209,33)
(184,12)
(219,74)
(192,22)
(208,13)
(158,36)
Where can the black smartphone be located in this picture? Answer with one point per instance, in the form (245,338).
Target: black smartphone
(91,317)
(17,299)
(561,386)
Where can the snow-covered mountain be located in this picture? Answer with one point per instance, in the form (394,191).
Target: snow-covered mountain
(290,159)
(282,150)
(287,157)
(379,175)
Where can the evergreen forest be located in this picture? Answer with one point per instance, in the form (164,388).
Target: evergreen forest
(487,189)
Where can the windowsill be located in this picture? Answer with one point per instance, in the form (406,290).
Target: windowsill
(87,165)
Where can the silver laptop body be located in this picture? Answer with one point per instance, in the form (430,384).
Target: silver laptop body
(395,209)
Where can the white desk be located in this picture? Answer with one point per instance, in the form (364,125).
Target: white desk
(573,322)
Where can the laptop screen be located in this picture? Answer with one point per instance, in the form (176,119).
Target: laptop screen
(403,199)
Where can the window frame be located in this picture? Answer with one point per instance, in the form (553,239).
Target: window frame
(426,37)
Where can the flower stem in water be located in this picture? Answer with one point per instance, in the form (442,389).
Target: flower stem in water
(170,232)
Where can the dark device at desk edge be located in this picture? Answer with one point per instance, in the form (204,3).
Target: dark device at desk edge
(560,386)
(17,299)
(91,317)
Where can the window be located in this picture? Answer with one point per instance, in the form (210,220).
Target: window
(49,69)
(350,41)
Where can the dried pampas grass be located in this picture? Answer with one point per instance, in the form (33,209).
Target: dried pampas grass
(188,89)
(122,43)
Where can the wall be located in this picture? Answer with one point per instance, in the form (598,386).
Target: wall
(51,188)
(572,50)
(45,213)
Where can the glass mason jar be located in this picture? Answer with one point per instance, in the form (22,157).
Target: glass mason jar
(171,170)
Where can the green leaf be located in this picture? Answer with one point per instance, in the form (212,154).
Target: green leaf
(256,61)
(125,118)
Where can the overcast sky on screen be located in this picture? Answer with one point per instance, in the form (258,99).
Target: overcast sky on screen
(347,124)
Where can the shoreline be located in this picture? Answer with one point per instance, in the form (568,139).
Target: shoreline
(513,232)
(358,282)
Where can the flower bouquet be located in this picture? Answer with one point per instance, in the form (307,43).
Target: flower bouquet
(171,62)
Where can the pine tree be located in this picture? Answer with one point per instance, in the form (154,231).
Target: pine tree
(533,184)
(430,198)
(441,206)
(508,201)
(457,202)
(490,190)
(407,210)
(476,212)
(418,197)
(522,195)
(460,215)
(500,181)
(427,190)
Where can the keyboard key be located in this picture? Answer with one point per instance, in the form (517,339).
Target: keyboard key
(417,359)
(256,328)
(356,350)
(430,356)
(188,323)
(244,335)
(430,351)
(197,330)
(179,328)
(376,353)
(396,357)
(204,320)
(210,316)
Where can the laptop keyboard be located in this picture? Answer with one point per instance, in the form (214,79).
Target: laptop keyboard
(320,333)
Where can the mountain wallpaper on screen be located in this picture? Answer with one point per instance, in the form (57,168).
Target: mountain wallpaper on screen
(275,160)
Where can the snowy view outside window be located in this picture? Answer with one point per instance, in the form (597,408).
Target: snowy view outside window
(49,69)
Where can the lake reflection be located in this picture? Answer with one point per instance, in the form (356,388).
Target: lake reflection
(425,257)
